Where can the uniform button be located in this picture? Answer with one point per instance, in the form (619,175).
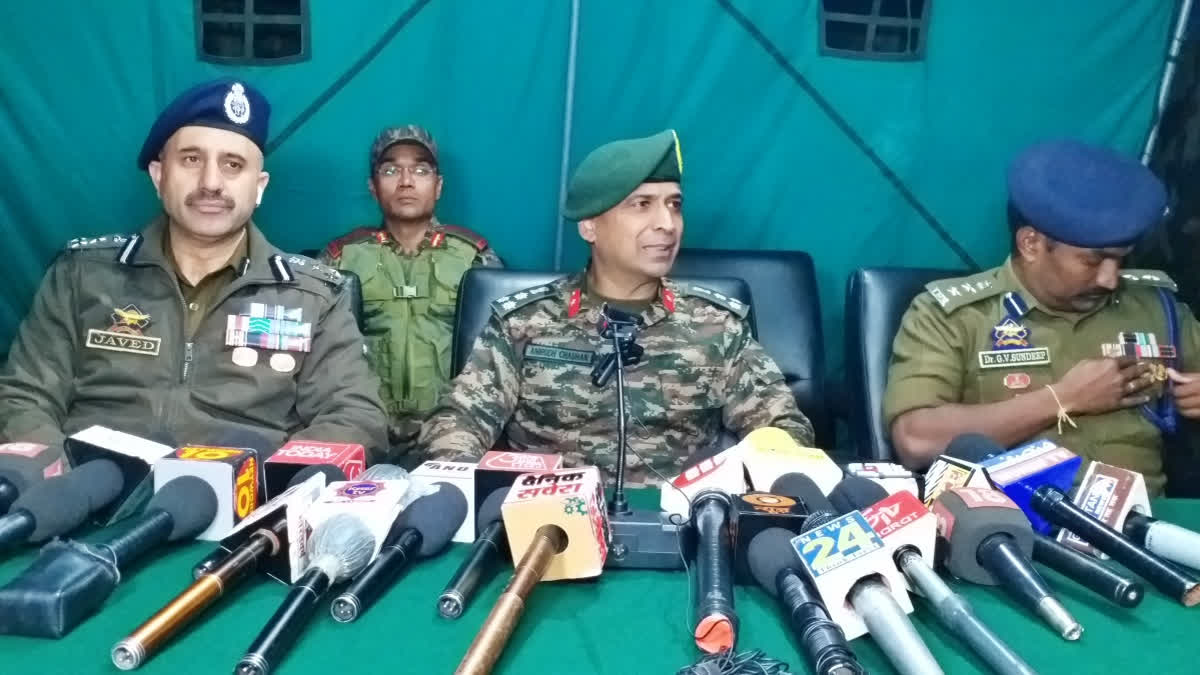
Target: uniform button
(193,306)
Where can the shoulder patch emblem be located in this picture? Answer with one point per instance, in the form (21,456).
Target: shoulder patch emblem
(508,304)
(951,294)
(737,307)
(107,241)
(306,265)
(1149,278)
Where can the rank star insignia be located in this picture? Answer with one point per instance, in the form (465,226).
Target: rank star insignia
(125,333)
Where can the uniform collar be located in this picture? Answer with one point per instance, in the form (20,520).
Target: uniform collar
(263,262)
(435,236)
(1010,282)
(576,301)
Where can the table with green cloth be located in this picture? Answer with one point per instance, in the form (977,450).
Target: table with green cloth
(624,622)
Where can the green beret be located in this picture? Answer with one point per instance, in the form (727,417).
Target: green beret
(612,172)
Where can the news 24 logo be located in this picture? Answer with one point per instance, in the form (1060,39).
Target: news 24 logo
(837,543)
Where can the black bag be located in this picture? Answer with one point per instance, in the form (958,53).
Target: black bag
(65,585)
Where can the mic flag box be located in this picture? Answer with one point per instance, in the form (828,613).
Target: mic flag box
(374,502)
(288,561)
(279,468)
(132,454)
(232,473)
(1107,493)
(1020,471)
(462,476)
(950,472)
(498,468)
(571,499)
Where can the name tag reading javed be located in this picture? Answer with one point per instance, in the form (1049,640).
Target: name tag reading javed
(1011,358)
(552,354)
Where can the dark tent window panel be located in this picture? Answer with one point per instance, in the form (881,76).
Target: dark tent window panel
(255,32)
(890,30)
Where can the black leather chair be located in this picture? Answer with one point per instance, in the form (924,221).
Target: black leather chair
(481,285)
(787,312)
(876,298)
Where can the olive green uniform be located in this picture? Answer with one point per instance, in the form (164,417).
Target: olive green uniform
(960,342)
(409,300)
(112,340)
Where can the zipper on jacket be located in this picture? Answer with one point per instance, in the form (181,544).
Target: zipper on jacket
(187,361)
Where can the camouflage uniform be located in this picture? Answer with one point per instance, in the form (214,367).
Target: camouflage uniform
(958,343)
(408,304)
(530,378)
(106,342)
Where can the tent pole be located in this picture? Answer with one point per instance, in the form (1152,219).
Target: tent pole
(1168,77)
(568,107)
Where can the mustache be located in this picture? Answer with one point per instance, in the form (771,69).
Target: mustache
(203,195)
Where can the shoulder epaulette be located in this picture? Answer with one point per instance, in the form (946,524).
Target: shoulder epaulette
(305,265)
(334,249)
(737,307)
(466,235)
(950,294)
(1149,278)
(508,304)
(107,241)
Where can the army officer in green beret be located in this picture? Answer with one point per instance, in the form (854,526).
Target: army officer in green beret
(530,374)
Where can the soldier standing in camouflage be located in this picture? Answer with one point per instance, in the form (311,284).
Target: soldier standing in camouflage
(1058,342)
(529,376)
(410,267)
(196,326)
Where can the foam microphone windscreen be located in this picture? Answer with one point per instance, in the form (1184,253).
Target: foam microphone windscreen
(973,447)
(55,510)
(489,510)
(803,488)
(770,551)
(436,516)
(191,503)
(854,493)
(20,471)
(100,481)
(332,474)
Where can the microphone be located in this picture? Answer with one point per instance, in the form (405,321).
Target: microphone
(1108,494)
(489,545)
(716,622)
(758,511)
(949,471)
(772,562)
(910,532)
(990,543)
(182,509)
(859,584)
(341,547)
(228,568)
(770,452)
(820,509)
(133,455)
(558,528)
(21,467)
(230,470)
(462,476)
(1020,471)
(70,580)
(60,504)
(1161,538)
(1087,571)
(280,467)
(422,530)
(1053,504)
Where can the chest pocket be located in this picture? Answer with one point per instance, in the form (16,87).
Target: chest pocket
(692,389)
(448,271)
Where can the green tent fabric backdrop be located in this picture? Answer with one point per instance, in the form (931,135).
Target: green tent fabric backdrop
(765,167)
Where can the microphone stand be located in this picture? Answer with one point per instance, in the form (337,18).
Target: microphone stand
(641,539)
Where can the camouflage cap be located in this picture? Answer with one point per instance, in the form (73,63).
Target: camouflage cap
(612,171)
(407,133)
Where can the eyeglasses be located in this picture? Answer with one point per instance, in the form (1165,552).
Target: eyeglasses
(389,170)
